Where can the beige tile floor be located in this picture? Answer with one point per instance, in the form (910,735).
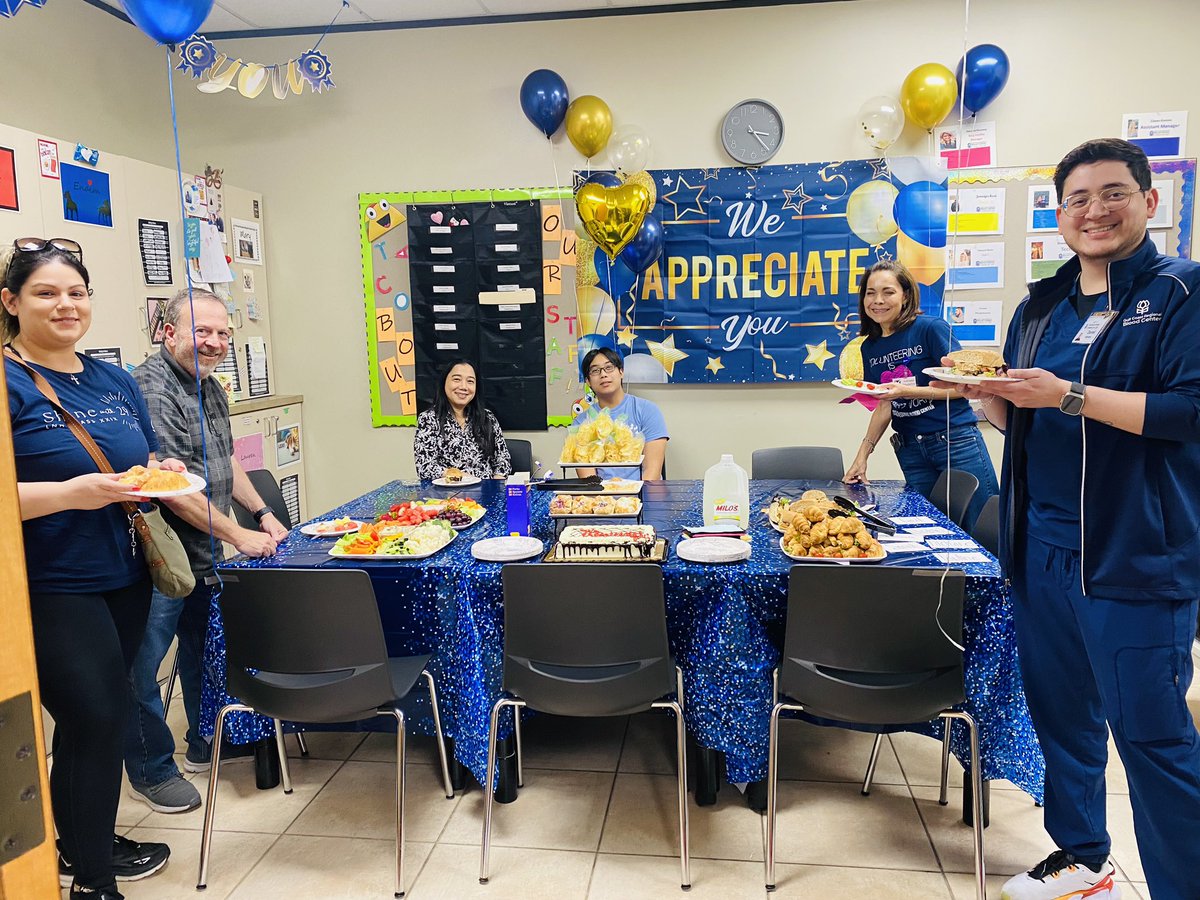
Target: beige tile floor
(596,820)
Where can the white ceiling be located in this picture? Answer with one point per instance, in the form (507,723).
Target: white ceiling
(265,15)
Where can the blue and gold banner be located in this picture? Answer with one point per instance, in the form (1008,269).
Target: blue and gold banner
(758,281)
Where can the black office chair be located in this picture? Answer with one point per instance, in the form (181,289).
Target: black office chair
(962,487)
(522,455)
(816,463)
(307,645)
(586,639)
(987,527)
(268,488)
(878,646)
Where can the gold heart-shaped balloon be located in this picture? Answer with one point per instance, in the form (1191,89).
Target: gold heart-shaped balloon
(612,216)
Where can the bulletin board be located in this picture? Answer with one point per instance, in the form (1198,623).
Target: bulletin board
(1003,235)
(486,275)
(125,213)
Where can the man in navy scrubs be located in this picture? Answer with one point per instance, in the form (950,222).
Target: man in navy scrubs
(1100,500)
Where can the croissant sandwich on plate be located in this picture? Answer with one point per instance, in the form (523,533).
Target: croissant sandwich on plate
(142,479)
(981,363)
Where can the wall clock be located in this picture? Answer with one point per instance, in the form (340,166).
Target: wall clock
(752,132)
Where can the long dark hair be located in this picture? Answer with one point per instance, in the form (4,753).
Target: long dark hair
(909,309)
(479,423)
(21,265)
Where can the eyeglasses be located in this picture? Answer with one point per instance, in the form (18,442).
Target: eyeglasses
(1113,198)
(597,371)
(37,245)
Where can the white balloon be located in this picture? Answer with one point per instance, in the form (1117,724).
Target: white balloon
(629,150)
(881,120)
(642,368)
(909,169)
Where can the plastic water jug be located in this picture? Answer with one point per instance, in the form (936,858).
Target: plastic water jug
(727,495)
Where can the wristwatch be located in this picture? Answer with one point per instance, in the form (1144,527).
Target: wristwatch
(1072,401)
(263,513)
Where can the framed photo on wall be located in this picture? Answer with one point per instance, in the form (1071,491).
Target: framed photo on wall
(156,307)
(8,180)
(247,242)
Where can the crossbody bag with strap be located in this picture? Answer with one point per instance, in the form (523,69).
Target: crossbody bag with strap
(166,558)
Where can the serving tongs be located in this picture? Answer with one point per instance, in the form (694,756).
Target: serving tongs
(850,508)
(592,484)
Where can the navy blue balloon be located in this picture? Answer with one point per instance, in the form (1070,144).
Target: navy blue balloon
(544,100)
(607,179)
(616,278)
(646,247)
(986,71)
(168,21)
(920,211)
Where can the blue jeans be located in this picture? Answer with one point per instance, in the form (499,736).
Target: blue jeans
(1091,665)
(922,461)
(149,744)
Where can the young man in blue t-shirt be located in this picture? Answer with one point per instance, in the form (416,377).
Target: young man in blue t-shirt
(604,370)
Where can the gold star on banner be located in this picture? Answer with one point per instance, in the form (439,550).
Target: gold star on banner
(626,337)
(818,355)
(714,364)
(710,174)
(666,353)
(796,199)
(879,168)
(693,204)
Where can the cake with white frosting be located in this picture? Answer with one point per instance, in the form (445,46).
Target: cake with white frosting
(583,542)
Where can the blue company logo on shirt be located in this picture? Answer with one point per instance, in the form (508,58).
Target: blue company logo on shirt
(119,409)
(1142,315)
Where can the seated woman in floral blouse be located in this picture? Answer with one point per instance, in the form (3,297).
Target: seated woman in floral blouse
(458,432)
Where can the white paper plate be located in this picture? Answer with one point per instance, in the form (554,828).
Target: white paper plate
(391,557)
(195,485)
(314,529)
(508,548)
(594,515)
(467,481)
(943,374)
(619,464)
(833,559)
(712,550)
(868,387)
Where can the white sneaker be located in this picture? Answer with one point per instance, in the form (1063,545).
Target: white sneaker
(1060,877)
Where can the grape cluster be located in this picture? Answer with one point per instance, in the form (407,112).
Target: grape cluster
(455,517)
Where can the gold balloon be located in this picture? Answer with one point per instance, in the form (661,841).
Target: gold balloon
(597,312)
(928,94)
(646,181)
(612,216)
(585,263)
(869,211)
(927,264)
(589,124)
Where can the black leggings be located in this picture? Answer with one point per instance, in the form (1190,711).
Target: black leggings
(85,645)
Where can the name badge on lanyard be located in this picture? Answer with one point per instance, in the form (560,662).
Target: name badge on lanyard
(1094,326)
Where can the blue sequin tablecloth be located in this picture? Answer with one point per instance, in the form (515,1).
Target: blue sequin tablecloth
(725,623)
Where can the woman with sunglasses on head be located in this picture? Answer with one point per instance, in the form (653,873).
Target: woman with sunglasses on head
(900,344)
(604,370)
(458,432)
(89,591)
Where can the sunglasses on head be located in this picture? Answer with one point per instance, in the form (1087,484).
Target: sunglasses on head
(37,245)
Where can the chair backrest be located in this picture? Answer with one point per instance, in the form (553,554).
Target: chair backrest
(305,645)
(963,486)
(522,455)
(863,643)
(586,639)
(987,527)
(268,488)
(817,463)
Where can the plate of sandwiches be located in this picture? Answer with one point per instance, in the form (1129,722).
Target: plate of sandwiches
(144,482)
